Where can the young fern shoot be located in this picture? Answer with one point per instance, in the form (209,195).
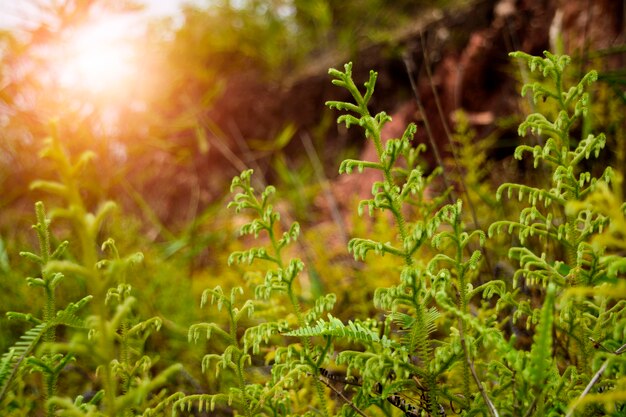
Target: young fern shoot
(412,303)
(290,363)
(555,231)
(49,364)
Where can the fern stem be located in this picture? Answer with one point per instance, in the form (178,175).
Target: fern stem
(462,303)
(51,383)
(239,368)
(125,354)
(242,386)
(301,322)
(307,349)
(43,233)
(421,331)
(74,201)
(108,381)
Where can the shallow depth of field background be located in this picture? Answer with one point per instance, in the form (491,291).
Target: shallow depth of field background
(174,101)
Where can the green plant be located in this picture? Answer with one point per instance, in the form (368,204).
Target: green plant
(566,326)
(112,338)
(23,355)
(444,338)
(289,363)
(407,358)
(557,232)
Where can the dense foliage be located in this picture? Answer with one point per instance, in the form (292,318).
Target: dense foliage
(524,318)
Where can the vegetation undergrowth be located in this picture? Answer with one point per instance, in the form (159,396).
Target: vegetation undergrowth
(450,336)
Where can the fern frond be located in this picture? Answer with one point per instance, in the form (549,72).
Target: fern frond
(536,269)
(12,359)
(159,409)
(353,331)
(77,407)
(196,330)
(249,256)
(534,195)
(52,187)
(416,330)
(68,317)
(322,304)
(360,247)
(146,386)
(204,402)
(541,361)
(348,165)
(254,336)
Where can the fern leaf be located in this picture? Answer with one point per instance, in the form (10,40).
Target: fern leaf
(12,360)
(159,409)
(67,316)
(322,304)
(352,331)
(416,329)
(541,352)
(204,402)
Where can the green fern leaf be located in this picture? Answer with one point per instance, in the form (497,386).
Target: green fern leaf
(11,361)
(541,361)
(352,331)
(416,329)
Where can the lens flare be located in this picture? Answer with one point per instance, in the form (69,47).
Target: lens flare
(96,58)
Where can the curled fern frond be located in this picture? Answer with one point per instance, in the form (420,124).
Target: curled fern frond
(196,330)
(322,304)
(360,247)
(204,402)
(262,333)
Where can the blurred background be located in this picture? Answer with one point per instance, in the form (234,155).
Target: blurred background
(174,98)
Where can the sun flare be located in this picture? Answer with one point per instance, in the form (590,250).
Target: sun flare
(96,58)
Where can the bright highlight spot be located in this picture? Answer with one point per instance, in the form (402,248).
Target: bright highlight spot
(97,58)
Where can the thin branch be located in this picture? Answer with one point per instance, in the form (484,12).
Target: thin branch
(492,409)
(410,69)
(594,380)
(324,182)
(343,397)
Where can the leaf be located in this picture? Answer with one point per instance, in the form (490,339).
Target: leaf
(541,361)
(284,137)
(11,360)
(353,331)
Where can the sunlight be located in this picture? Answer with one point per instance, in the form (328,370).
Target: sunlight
(97,58)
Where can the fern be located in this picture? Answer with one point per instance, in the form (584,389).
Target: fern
(86,225)
(352,331)
(557,229)
(115,336)
(49,365)
(541,365)
(20,353)
(12,359)
(445,334)
(289,364)
(234,359)
(281,279)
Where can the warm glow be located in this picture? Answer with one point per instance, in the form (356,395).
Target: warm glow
(96,58)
